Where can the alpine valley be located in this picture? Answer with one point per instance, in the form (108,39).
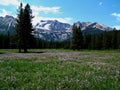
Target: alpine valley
(52,30)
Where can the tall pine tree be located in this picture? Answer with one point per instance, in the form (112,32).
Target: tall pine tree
(19,28)
(114,39)
(24,28)
(27,28)
(77,38)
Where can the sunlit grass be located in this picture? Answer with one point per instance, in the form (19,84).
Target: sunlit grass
(60,70)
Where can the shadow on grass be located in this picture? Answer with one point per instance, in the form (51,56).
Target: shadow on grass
(32,52)
(2,52)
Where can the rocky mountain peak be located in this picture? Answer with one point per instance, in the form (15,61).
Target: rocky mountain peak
(52,25)
(8,20)
(83,25)
(100,26)
(90,25)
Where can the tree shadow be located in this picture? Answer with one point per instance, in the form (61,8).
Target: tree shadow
(33,52)
(2,52)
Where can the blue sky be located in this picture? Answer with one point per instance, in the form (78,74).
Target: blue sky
(106,12)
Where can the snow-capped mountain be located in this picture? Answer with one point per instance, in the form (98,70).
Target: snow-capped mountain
(92,28)
(7,23)
(95,25)
(100,26)
(8,20)
(52,25)
(83,25)
(52,30)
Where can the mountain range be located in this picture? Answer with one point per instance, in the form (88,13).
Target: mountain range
(52,30)
(7,24)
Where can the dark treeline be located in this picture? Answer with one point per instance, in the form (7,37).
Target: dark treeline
(51,44)
(106,40)
(7,42)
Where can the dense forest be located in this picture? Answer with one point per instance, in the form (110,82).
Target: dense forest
(106,40)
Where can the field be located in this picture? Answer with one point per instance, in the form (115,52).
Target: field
(51,69)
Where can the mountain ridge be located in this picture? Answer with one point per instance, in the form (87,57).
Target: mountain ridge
(7,24)
(53,30)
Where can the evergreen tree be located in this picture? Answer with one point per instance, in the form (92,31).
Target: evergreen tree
(19,28)
(114,39)
(28,38)
(92,44)
(99,42)
(77,38)
(24,28)
(118,39)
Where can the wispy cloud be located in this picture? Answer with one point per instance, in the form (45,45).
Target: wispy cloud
(46,9)
(9,2)
(35,8)
(117,15)
(3,13)
(100,3)
(36,11)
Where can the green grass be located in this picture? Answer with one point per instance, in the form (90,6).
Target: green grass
(60,70)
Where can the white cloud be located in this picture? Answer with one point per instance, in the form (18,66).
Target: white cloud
(9,2)
(117,27)
(100,3)
(4,13)
(117,15)
(64,20)
(36,10)
(45,9)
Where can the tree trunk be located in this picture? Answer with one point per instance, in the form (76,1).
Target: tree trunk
(25,50)
(19,50)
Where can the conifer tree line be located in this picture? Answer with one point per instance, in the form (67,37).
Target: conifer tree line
(105,40)
(78,41)
(23,38)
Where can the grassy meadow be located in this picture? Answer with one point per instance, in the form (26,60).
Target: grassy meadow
(50,69)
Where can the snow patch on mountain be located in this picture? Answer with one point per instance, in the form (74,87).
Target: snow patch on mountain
(52,25)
